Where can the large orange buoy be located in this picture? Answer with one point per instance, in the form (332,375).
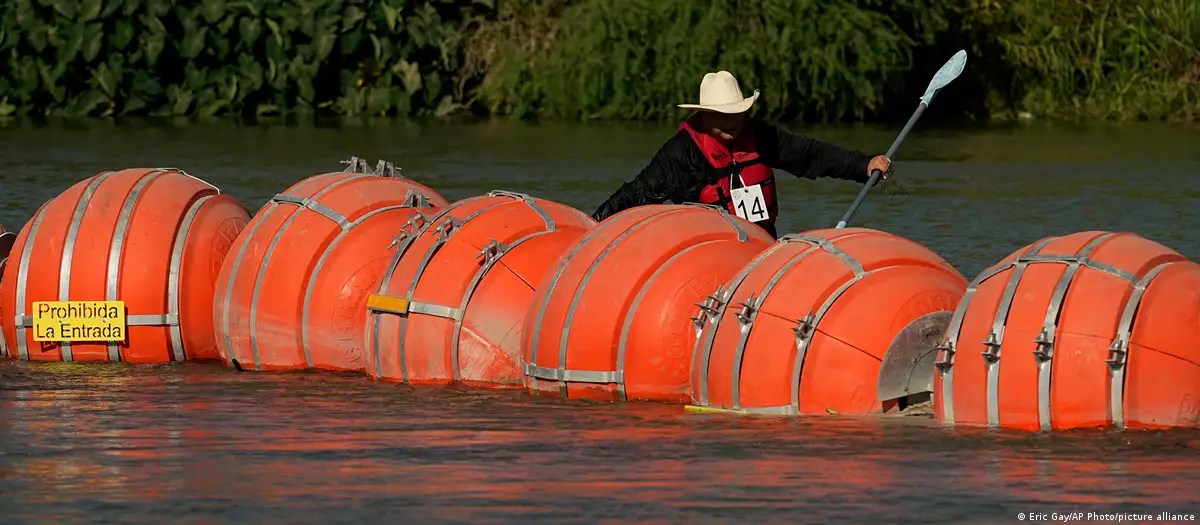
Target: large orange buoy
(452,304)
(612,322)
(835,320)
(153,238)
(1088,329)
(292,293)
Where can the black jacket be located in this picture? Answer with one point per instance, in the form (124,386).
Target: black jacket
(678,171)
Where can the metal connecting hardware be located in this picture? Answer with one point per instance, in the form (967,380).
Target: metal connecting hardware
(993,342)
(805,326)
(408,230)
(945,359)
(749,309)
(355,165)
(510,194)
(386,169)
(445,229)
(1045,346)
(416,199)
(1117,353)
(708,206)
(708,308)
(491,252)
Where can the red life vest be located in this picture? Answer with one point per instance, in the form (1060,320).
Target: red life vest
(737,166)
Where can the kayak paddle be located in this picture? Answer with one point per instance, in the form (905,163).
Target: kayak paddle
(949,71)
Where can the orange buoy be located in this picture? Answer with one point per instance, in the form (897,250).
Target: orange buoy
(452,304)
(291,295)
(834,320)
(1084,330)
(152,238)
(612,322)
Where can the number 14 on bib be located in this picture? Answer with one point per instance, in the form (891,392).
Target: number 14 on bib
(749,203)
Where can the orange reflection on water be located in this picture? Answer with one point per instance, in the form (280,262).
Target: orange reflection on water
(293,447)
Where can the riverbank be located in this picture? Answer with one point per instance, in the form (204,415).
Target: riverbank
(600,59)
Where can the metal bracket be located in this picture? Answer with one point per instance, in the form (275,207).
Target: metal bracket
(708,206)
(1117,352)
(491,252)
(945,351)
(386,169)
(445,229)
(510,194)
(397,240)
(993,342)
(410,229)
(355,165)
(416,199)
(749,309)
(800,237)
(707,308)
(805,326)
(1045,346)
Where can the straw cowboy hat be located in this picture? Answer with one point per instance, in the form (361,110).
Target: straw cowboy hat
(719,92)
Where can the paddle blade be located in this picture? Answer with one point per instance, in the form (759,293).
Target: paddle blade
(949,71)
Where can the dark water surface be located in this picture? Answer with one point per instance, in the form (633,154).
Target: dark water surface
(199,444)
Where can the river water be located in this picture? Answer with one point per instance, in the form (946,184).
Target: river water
(194,443)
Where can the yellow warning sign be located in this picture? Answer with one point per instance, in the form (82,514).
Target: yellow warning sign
(79,321)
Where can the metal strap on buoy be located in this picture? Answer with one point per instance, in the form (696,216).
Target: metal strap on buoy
(623,342)
(711,311)
(949,346)
(806,328)
(116,249)
(1043,342)
(113,267)
(23,278)
(312,279)
(751,306)
(178,352)
(354,165)
(540,312)
(564,375)
(1118,351)
(444,227)
(68,253)
(310,203)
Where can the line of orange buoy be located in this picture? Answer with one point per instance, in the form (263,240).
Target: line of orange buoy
(291,293)
(1089,329)
(612,322)
(451,303)
(365,270)
(153,238)
(828,320)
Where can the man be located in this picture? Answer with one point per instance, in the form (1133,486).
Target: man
(722,156)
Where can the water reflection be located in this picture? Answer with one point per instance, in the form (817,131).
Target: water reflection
(185,442)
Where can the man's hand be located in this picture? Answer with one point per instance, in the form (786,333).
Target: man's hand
(881,163)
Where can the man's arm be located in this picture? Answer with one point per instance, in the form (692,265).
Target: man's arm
(807,157)
(663,178)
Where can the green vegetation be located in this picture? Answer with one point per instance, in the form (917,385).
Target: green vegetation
(251,57)
(597,59)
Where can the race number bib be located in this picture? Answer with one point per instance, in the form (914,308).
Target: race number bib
(749,203)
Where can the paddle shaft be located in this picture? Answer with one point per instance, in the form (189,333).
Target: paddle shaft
(875,174)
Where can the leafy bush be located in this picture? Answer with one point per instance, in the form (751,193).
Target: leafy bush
(251,57)
(596,59)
